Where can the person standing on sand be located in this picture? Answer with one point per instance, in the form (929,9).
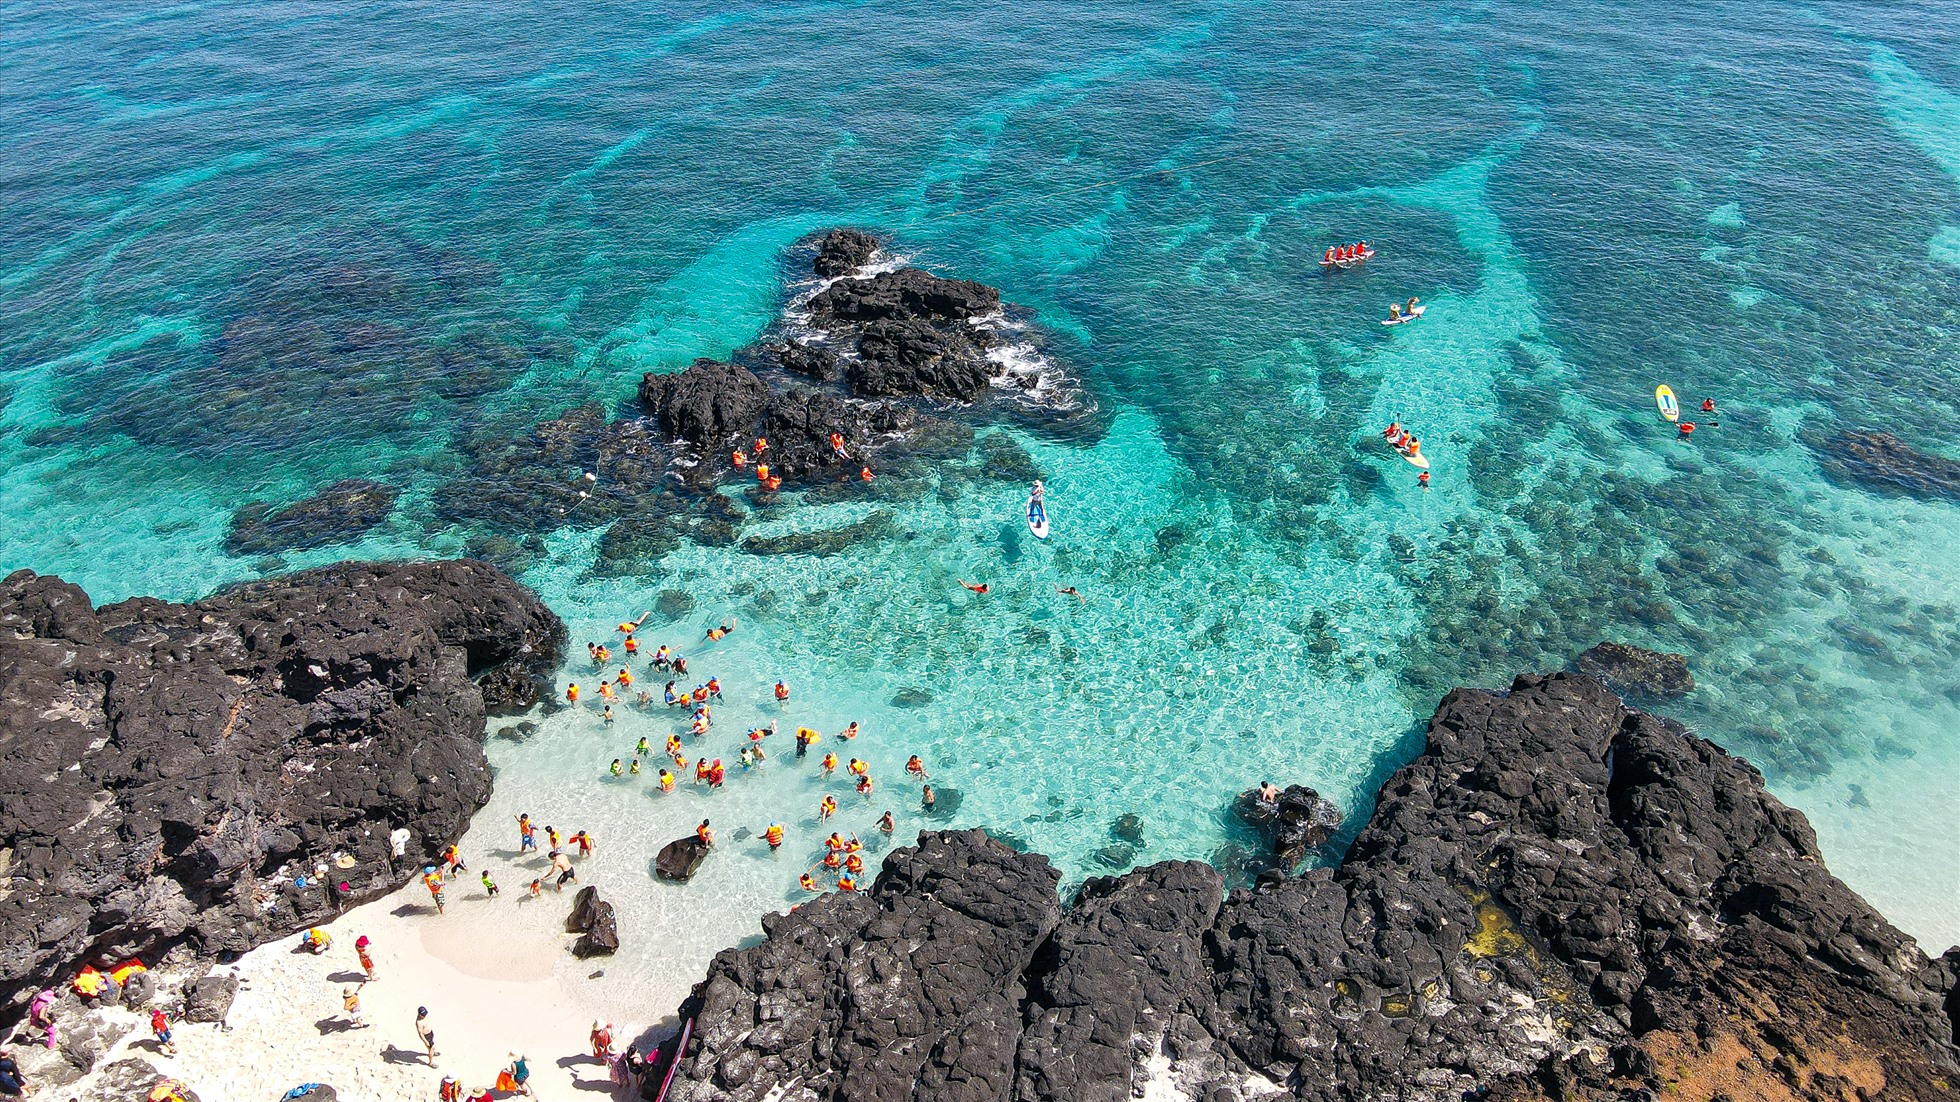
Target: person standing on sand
(426,1033)
(350,1005)
(361,951)
(602,1041)
(160,1027)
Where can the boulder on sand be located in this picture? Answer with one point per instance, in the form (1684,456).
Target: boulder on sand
(679,858)
(594,918)
(1631,669)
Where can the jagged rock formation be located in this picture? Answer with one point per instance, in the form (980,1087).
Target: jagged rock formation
(842,252)
(168,771)
(1560,898)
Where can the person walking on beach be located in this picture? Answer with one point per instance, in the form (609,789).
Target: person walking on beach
(562,865)
(350,1005)
(160,1027)
(602,1041)
(490,885)
(426,1033)
(361,951)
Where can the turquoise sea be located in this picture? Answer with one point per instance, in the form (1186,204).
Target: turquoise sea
(250,249)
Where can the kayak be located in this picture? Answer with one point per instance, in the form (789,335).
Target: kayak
(1410,316)
(1349,262)
(1037,519)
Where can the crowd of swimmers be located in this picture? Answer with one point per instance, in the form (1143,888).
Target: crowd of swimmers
(754,455)
(841,864)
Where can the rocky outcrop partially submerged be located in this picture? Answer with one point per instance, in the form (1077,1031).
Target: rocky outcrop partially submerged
(1559,898)
(170,772)
(1882,461)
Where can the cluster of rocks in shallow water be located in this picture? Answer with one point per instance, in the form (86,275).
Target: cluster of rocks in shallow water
(341,512)
(1882,461)
(1559,898)
(169,772)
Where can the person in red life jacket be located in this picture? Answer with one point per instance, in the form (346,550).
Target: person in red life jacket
(1687,430)
(1708,405)
(775,483)
(864,473)
(1422,480)
(837,444)
(741,459)
(1328,256)
(782,691)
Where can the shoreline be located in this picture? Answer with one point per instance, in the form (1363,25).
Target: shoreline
(488,996)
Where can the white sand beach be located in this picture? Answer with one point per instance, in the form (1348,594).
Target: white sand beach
(496,975)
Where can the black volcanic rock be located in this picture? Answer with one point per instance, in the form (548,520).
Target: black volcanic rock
(1303,822)
(171,769)
(911,357)
(807,359)
(908,294)
(1559,898)
(592,917)
(706,404)
(678,859)
(1631,669)
(842,252)
(799,422)
(339,513)
(1882,461)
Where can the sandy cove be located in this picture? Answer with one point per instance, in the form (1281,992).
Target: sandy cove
(491,972)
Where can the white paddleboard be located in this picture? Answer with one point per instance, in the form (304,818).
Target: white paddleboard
(1037,519)
(1410,316)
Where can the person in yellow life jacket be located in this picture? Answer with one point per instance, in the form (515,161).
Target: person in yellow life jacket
(673,744)
(834,842)
(666,781)
(774,835)
(701,771)
(317,940)
(853,845)
(571,694)
(606,690)
(854,863)
(808,883)
(847,883)
(603,655)
(827,808)
(859,768)
(829,764)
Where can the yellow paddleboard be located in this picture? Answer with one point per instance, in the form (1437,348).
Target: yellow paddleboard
(1664,399)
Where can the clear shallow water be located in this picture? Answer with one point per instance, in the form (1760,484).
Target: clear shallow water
(250,251)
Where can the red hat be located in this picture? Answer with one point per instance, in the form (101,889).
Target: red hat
(361,942)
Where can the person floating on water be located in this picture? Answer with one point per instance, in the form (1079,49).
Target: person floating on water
(981,588)
(1422,480)
(1687,429)
(782,692)
(628,627)
(1708,405)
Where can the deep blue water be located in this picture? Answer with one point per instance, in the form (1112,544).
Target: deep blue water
(251,249)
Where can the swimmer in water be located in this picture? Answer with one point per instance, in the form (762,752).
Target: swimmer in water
(886,823)
(716,634)
(1069,591)
(915,767)
(849,732)
(981,588)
